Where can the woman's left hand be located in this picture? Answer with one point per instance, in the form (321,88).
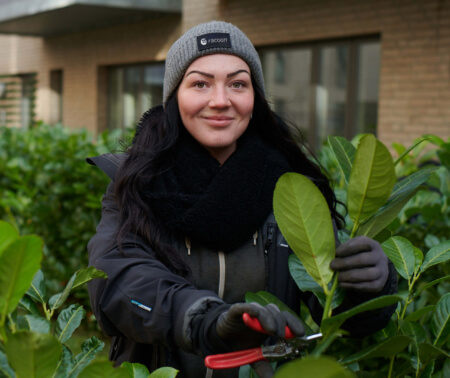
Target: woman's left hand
(362,265)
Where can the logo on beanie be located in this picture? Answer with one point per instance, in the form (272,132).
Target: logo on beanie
(213,40)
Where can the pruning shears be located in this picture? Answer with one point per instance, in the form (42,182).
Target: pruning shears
(288,347)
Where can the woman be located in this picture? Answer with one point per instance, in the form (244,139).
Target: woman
(187,225)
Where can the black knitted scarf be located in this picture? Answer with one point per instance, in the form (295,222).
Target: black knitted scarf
(218,206)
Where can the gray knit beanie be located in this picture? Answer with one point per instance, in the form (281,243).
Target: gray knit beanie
(215,37)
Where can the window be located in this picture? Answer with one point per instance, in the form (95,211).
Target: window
(27,102)
(131,91)
(328,88)
(56,96)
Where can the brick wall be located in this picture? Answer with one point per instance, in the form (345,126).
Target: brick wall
(83,57)
(414,93)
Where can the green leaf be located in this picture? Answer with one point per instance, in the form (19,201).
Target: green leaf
(33,354)
(68,321)
(376,223)
(389,331)
(427,371)
(436,255)
(406,152)
(345,154)
(446,369)
(34,323)
(305,282)
(105,369)
(78,278)
(418,259)
(386,349)
(410,184)
(440,322)
(323,367)
(428,352)
(401,252)
(434,139)
(7,235)
(5,369)
(38,290)
(58,300)
(89,349)
(382,236)
(264,298)
(136,370)
(418,335)
(304,220)
(18,264)
(371,180)
(26,303)
(403,191)
(430,284)
(414,330)
(336,321)
(86,274)
(416,315)
(164,372)
(65,363)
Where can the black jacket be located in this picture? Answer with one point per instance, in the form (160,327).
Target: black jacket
(154,334)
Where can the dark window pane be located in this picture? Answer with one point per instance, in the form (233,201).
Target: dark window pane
(133,90)
(367,92)
(56,96)
(153,86)
(27,100)
(131,95)
(115,90)
(291,97)
(331,92)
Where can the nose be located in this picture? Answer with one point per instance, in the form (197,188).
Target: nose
(219,98)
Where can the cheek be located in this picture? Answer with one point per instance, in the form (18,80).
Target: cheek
(247,106)
(188,106)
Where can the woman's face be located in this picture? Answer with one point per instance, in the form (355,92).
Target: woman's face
(215,99)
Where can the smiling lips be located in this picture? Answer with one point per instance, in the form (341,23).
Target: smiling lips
(219,120)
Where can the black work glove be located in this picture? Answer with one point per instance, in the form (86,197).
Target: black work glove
(231,328)
(362,265)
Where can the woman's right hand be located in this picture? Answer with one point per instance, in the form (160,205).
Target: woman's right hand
(232,329)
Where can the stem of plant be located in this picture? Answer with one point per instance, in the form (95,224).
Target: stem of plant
(355,228)
(391,366)
(48,313)
(324,344)
(3,335)
(327,308)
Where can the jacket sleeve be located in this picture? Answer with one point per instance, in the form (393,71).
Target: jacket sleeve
(136,277)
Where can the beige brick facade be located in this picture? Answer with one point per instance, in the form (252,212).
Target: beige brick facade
(414,89)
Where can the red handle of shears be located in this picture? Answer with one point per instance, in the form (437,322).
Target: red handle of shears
(254,324)
(242,357)
(234,359)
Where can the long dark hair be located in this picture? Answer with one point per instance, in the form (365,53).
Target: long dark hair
(151,154)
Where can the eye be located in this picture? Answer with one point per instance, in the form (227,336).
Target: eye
(238,84)
(199,84)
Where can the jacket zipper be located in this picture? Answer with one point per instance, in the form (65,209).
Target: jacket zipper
(270,234)
(269,240)
(221,275)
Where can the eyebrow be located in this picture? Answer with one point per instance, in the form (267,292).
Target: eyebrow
(212,76)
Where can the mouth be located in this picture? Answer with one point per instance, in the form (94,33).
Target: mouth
(219,120)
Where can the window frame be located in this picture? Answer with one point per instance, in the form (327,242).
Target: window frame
(121,111)
(353,43)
